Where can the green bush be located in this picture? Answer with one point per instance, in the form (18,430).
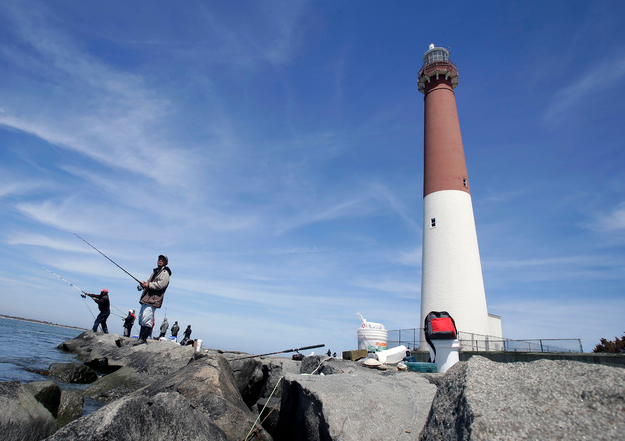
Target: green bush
(616,346)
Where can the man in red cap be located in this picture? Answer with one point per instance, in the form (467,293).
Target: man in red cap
(104,305)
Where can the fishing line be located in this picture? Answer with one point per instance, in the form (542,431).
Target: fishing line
(111,260)
(75,287)
(119,310)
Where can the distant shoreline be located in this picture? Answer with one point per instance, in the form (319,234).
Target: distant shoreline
(10,317)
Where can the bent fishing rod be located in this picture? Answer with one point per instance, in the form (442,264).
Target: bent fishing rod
(83,293)
(111,260)
(280,352)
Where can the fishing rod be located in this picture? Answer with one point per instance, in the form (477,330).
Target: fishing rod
(83,293)
(112,261)
(280,352)
(69,283)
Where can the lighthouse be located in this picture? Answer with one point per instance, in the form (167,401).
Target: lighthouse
(451,267)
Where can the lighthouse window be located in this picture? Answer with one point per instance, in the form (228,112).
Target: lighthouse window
(433,222)
(465,182)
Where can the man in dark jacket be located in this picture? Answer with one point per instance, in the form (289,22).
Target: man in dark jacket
(152,297)
(104,305)
(128,322)
(187,336)
(174,330)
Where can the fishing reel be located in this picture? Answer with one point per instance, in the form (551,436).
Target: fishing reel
(84,296)
(139,288)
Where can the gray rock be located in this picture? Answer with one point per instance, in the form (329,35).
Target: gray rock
(208,384)
(357,406)
(73,373)
(276,368)
(118,384)
(22,417)
(269,411)
(160,417)
(249,378)
(484,400)
(322,364)
(47,393)
(109,352)
(256,377)
(70,407)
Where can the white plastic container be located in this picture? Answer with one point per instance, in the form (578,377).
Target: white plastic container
(198,345)
(392,355)
(446,354)
(372,339)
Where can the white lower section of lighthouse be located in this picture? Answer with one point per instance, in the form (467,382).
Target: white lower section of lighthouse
(452,271)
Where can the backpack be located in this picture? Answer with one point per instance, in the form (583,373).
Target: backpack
(439,325)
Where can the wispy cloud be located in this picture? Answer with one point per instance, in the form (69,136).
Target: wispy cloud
(612,221)
(592,80)
(412,289)
(13,187)
(109,115)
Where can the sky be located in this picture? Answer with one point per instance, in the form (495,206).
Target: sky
(273,150)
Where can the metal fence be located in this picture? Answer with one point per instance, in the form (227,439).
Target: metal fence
(476,342)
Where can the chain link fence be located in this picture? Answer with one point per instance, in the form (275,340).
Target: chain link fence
(410,338)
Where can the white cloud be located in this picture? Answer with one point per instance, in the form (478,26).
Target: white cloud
(588,82)
(612,221)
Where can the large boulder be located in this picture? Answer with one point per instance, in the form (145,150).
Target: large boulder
(198,402)
(22,417)
(47,393)
(257,377)
(109,352)
(361,405)
(90,345)
(269,411)
(484,400)
(117,384)
(70,407)
(73,373)
(322,364)
(209,385)
(160,417)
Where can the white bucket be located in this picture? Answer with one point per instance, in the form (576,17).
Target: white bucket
(446,354)
(372,339)
(198,345)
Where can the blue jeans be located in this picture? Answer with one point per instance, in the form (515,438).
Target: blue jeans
(101,320)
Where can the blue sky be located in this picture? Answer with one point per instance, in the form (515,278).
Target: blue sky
(273,150)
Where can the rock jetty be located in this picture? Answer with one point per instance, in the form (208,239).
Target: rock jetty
(163,391)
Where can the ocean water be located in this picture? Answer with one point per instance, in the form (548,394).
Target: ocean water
(29,345)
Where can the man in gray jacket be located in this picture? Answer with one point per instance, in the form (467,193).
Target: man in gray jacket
(152,296)
(164,327)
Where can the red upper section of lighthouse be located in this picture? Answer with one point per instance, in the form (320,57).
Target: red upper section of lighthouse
(436,64)
(444,164)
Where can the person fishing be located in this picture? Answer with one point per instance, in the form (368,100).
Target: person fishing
(152,297)
(104,305)
(174,330)
(128,322)
(164,327)
(187,336)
